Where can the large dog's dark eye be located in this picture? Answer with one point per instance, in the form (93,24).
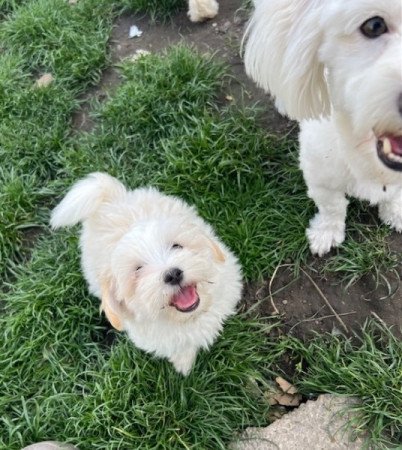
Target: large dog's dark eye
(175,245)
(374,27)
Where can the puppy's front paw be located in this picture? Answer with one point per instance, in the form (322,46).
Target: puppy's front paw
(391,214)
(201,10)
(323,235)
(183,362)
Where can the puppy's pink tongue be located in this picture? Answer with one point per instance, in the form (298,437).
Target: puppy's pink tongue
(186,298)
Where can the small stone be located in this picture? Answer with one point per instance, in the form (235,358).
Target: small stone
(44,81)
(286,386)
(225,27)
(50,445)
(285,302)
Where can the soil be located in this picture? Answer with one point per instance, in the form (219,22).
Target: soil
(309,302)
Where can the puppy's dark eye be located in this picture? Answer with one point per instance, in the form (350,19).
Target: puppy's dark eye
(177,246)
(374,27)
(138,268)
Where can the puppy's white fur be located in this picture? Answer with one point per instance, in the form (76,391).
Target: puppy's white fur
(130,240)
(200,10)
(346,90)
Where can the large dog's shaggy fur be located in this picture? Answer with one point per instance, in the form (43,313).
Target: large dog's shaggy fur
(336,66)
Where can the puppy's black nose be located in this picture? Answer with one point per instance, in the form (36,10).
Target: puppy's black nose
(173,276)
(400,104)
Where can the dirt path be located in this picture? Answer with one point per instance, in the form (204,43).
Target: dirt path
(301,302)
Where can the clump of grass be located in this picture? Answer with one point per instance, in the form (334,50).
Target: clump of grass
(66,40)
(369,369)
(157,9)
(365,251)
(18,198)
(7,6)
(61,379)
(69,41)
(33,128)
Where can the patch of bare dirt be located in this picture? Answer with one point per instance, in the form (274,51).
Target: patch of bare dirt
(309,302)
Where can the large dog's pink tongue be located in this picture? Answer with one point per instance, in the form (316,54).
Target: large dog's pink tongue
(396,144)
(185,298)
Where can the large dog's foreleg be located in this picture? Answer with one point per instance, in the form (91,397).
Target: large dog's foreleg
(327,228)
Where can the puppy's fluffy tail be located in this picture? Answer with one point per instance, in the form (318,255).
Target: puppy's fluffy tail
(84,198)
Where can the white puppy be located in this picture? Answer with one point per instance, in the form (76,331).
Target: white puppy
(159,269)
(336,66)
(200,10)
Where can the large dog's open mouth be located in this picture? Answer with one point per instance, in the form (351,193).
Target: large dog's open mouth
(186,300)
(389,150)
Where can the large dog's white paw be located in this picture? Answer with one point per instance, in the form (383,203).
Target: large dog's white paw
(200,10)
(324,234)
(183,361)
(391,214)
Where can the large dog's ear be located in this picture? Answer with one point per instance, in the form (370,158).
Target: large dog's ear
(110,304)
(282,56)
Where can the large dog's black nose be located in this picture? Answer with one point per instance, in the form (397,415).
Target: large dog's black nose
(400,104)
(173,276)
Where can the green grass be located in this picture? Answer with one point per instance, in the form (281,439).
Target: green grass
(366,251)
(370,370)
(38,37)
(63,373)
(156,9)
(69,41)
(7,6)
(19,196)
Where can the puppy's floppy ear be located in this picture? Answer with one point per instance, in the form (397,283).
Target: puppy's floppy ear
(110,304)
(216,250)
(282,55)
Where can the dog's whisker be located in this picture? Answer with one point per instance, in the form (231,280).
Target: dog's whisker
(365,141)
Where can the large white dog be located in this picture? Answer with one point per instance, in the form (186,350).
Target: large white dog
(161,272)
(336,66)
